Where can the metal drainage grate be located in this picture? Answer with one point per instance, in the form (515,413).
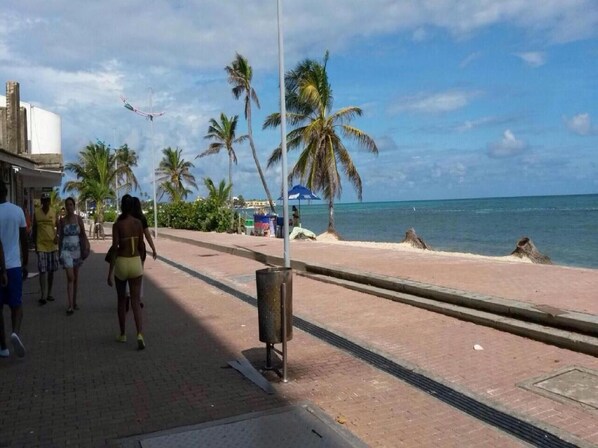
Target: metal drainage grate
(519,428)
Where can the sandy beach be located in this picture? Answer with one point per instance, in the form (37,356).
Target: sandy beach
(406,247)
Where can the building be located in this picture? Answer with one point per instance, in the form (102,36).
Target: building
(30,148)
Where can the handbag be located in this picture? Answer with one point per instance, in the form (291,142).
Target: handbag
(83,241)
(110,255)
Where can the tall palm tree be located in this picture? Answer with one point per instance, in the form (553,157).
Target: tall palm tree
(240,75)
(318,132)
(174,175)
(223,136)
(95,173)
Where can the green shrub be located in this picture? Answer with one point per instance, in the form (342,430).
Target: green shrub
(109,215)
(204,215)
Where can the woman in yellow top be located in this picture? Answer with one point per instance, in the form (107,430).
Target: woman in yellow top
(127,238)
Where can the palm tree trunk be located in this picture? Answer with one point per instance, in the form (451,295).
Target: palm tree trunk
(257,162)
(331,216)
(230,194)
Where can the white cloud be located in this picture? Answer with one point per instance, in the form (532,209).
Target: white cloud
(433,102)
(580,124)
(532,58)
(469,125)
(420,35)
(469,59)
(508,146)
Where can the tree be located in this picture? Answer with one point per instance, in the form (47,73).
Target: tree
(218,195)
(240,75)
(239,201)
(95,173)
(174,175)
(318,132)
(224,136)
(126,158)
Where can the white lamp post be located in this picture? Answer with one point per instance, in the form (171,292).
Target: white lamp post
(150,116)
(283,141)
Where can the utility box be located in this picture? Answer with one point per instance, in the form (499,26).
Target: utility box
(269,283)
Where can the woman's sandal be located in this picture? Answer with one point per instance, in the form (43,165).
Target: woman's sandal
(69,312)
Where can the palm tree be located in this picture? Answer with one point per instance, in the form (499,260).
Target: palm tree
(95,173)
(240,74)
(219,195)
(224,136)
(126,158)
(317,132)
(174,175)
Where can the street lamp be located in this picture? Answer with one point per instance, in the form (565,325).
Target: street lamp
(283,141)
(150,116)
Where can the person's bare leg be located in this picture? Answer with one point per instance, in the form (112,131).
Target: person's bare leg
(43,286)
(69,287)
(75,286)
(122,300)
(16,314)
(135,288)
(50,284)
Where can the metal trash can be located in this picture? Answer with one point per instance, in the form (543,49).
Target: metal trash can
(269,303)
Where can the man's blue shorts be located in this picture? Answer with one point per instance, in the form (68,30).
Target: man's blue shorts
(11,294)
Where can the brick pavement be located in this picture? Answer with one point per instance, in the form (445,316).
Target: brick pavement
(77,387)
(559,286)
(439,345)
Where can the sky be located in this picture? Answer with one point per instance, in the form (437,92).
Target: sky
(464,98)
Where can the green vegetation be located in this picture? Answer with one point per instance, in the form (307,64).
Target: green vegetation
(240,75)
(110,215)
(317,134)
(223,136)
(210,214)
(174,175)
(96,173)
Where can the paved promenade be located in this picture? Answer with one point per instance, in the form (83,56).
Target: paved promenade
(78,387)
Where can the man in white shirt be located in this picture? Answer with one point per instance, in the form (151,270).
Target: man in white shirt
(13,235)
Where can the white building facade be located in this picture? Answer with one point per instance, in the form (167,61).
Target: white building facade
(31,159)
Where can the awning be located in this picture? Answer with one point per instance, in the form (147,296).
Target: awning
(39,178)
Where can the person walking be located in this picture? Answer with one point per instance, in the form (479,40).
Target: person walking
(126,265)
(13,236)
(73,249)
(138,213)
(45,240)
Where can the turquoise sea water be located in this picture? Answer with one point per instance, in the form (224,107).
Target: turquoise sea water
(563,227)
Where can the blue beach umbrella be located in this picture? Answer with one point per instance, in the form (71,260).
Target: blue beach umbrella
(300,192)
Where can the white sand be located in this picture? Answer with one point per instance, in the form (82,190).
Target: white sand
(331,239)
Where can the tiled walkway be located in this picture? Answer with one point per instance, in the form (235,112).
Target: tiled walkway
(77,386)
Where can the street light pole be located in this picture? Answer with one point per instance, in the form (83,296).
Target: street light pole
(283,140)
(150,116)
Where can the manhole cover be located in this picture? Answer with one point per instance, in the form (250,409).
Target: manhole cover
(299,426)
(577,384)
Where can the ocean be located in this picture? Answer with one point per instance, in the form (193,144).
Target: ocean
(565,228)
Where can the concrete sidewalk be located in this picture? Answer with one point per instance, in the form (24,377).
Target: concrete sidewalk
(76,386)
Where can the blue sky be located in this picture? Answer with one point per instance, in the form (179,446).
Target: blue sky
(465,98)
